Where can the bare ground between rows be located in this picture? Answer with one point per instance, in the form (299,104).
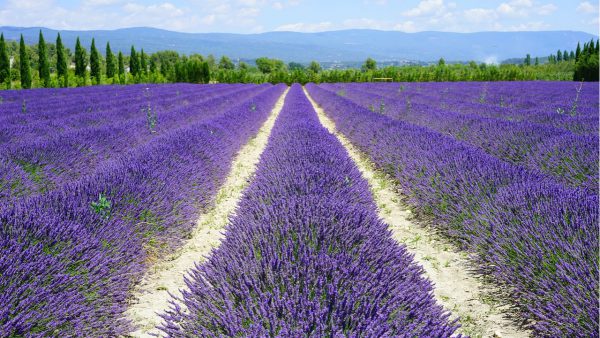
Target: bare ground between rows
(167,276)
(480,313)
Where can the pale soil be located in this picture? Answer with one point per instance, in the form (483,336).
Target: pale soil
(455,288)
(152,295)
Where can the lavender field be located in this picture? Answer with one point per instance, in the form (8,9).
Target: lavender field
(100,184)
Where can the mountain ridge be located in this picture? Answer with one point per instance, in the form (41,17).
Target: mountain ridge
(330,46)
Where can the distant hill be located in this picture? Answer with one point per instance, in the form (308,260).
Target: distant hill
(335,46)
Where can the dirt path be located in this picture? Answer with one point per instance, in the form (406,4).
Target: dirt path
(455,288)
(152,296)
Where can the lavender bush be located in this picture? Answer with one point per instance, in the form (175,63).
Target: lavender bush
(519,142)
(537,238)
(306,254)
(69,257)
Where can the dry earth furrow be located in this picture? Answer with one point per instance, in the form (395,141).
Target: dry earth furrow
(152,296)
(456,289)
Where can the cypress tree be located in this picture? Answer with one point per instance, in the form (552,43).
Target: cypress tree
(528,60)
(43,64)
(110,62)
(143,63)
(205,72)
(537,61)
(80,60)
(571,55)
(121,69)
(94,63)
(577,52)
(133,62)
(565,55)
(61,60)
(152,65)
(558,56)
(4,62)
(25,68)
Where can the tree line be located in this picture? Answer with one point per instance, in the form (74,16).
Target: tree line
(54,65)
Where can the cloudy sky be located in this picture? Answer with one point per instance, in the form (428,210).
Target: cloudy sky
(254,16)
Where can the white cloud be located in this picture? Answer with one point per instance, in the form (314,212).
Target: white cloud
(587,7)
(426,7)
(547,9)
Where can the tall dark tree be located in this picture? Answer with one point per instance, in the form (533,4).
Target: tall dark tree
(586,67)
(537,61)
(110,62)
(143,62)
(528,60)
(61,60)
(577,52)
(152,65)
(4,62)
(205,72)
(94,63)
(24,65)
(565,55)
(80,60)
(43,63)
(559,56)
(134,65)
(121,69)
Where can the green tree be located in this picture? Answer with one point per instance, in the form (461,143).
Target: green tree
(292,66)
(315,67)
(586,67)
(205,72)
(559,56)
(24,66)
(143,62)
(528,60)
(80,60)
(121,62)
(61,61)
(577,52)
(267,66)
(4,62)
(110,62)
(134,65)
(95,63)
(226,63)
(369,65)
(537,61)
(43,63)
(153,67)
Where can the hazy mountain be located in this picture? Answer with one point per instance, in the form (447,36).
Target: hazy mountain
(344,45)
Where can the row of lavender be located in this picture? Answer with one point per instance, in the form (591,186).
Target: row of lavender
(69,257)
(55,156)
(567,105)
(535,237)
(571,158)
(306,254)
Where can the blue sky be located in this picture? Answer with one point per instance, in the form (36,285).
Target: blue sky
(254,16)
